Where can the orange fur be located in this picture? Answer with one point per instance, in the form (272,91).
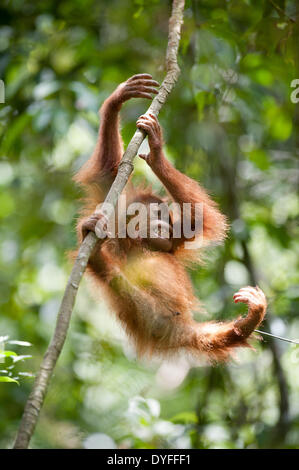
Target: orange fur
(150,290)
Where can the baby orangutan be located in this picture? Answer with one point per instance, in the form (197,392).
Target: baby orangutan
(145,279)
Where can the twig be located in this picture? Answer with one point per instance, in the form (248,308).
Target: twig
(36,398)
(287,340)
(281,12)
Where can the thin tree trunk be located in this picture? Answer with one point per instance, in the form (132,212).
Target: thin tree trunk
(37,396)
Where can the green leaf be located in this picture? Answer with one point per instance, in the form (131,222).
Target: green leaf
(260,158)
(8,379)
(19,343)
(8,353)
(21,358)
(185,417)
(281,128)
(7,205)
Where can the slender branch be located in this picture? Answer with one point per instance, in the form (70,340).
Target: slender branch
(37,396)
(281,11)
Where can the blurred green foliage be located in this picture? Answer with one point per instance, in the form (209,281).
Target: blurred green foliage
(8,360)
(231,125)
